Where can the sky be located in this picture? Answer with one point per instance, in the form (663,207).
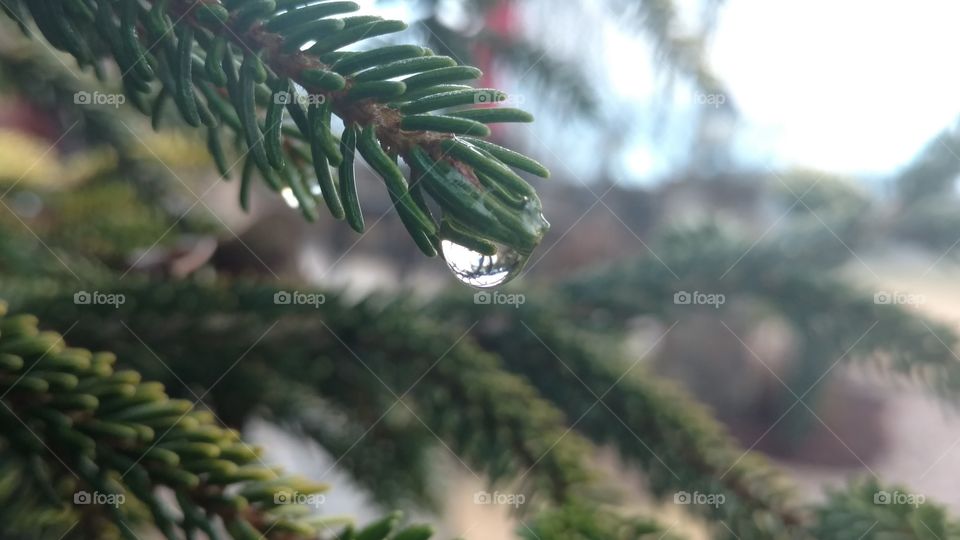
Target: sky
(855,87)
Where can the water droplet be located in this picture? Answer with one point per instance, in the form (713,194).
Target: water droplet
(483,271)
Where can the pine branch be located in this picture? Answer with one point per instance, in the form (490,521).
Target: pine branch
(639,415)
(842,321)
(97,436)
(221,64)
(575,522)
(685,438)
(654,424)
(394,456)
(681,447)
(867,510)
(494,421)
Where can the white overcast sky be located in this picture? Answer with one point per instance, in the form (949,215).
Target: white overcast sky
(851,87)
(854,86)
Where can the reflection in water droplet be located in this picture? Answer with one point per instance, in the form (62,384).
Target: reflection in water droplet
(289,198)
(483,271)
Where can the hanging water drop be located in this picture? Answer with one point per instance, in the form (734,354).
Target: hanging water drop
(483,271)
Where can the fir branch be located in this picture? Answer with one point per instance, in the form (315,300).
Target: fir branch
(495,421)
(841,320)
(394,456)
(194,50)
(654,424)
(97,436)
(694,453)
(574,522)
(868,510)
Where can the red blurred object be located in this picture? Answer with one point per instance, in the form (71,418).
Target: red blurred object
(19,115)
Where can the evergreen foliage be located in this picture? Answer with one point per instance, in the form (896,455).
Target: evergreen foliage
(274,74)
(86,447)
